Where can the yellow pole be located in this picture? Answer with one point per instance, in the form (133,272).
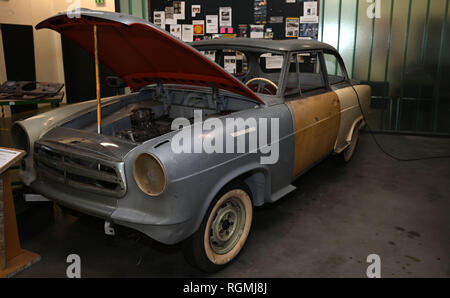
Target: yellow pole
(97,83)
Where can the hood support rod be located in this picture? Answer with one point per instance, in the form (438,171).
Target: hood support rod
(97,83)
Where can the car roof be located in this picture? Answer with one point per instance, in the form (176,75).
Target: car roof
(288,45)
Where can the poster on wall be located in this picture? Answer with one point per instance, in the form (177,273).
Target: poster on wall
(225,19)
(195,9)
(198,27)
(268,34)
(169,16)
(292,27)
(230,64)
(274,61)
(159,18)
(291,1)
(276,20)
(256,31)
(212,25)
(179,10)
(310,8)
(243,30)
(309,31)
(187,33)
(210,54)
(175,30)
(260,11)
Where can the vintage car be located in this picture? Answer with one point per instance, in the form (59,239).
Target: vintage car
(131,174)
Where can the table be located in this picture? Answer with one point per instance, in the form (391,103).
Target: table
(54,101)
(13,258)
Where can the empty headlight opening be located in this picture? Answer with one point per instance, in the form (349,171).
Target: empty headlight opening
(20,138)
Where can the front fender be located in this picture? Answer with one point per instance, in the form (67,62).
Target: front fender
(37,126)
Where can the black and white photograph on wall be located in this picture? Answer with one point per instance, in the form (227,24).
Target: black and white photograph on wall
(159,18)
(225,17)
(179,10)
(169,15)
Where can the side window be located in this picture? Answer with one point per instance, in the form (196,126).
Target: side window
(311,76)
(335,73)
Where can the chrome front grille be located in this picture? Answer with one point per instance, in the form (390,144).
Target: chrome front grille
(81,172)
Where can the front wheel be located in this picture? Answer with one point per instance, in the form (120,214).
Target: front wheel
(223,231)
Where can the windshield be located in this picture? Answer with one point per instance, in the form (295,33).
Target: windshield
(259,71)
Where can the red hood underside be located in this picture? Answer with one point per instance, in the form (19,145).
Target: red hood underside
(141,53)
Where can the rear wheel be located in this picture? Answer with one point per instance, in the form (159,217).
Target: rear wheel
(224,229)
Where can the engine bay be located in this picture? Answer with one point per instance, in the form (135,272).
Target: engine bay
(148,114)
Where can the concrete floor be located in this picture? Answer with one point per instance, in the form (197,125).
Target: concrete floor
(326,228)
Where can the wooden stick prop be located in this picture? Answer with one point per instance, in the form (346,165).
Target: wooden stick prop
(97,83)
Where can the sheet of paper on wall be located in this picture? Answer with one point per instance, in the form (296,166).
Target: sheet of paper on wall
(179,9)
(310,8)
(256,31)
(225,17)
(212,25)
(199,27)
(169,16)
(175,30)
(187,33)
(230,64)
(159,18)
(195,10)
(291,1)
(292,27)
(274,62)
(210,54)
(309,19)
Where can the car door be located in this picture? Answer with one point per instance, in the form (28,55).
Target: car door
(315,110)
(350,110)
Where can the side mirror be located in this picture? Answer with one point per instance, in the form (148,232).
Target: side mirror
(115,82)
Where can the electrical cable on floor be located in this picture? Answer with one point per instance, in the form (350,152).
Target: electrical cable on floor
(381,147)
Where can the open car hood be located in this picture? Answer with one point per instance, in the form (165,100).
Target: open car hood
(141,53)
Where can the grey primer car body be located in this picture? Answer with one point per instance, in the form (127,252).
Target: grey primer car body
(72,165)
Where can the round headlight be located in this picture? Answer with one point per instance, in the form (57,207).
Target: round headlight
(149,174)
(20,138)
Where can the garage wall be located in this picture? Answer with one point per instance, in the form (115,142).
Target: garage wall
(408,46)
(47,44)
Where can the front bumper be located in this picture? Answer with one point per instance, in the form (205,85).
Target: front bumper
(107,208)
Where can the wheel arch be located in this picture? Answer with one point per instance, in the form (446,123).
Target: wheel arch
(256,177)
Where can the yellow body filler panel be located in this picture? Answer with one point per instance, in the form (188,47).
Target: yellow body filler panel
(316,126)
